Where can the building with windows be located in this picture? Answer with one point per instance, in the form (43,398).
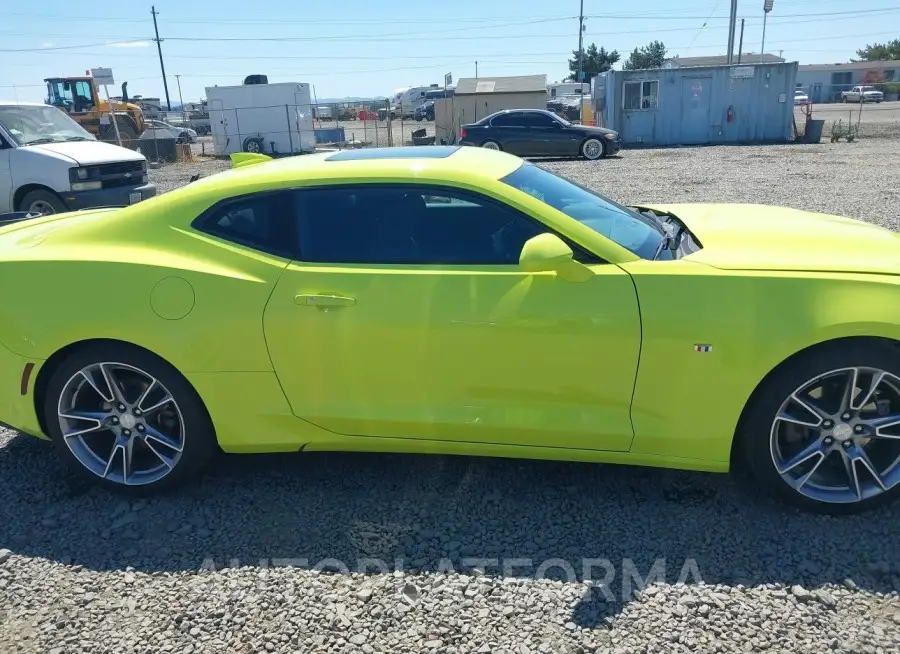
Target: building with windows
(696,105)
(824,82)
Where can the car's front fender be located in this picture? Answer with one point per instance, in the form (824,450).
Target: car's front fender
(710,337)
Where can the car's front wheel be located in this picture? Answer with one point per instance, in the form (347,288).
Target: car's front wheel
(824,431)
(124,418)
(42,202)
(593,149)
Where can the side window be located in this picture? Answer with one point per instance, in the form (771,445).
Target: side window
(540,120)
(263,222)
(508,120)
(409,225)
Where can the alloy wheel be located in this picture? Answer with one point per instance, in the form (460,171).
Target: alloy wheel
(41,207)
(593,149)
(121,423)
(836,438)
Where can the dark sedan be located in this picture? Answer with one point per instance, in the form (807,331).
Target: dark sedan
(539,133)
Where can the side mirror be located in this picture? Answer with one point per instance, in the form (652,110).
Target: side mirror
(549,253)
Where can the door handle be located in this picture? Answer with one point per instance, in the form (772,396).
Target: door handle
(324,300)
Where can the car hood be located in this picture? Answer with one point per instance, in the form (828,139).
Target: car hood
(761,237)
(88,153)
(596,131)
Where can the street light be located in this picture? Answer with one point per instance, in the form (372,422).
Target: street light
(767,7)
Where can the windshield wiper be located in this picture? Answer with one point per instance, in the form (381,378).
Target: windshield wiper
(40,140)
(78,138)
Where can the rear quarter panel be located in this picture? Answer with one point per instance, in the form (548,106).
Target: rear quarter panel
(83,279)
(688,403)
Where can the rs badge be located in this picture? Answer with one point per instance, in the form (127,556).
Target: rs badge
(699,347)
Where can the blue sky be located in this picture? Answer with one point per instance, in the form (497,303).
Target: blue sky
(368,47)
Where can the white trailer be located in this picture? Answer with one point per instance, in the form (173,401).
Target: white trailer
(265,118)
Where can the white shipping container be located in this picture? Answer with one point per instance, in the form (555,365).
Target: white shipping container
(253,117)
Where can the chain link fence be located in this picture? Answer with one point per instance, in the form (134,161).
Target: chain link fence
(280,130)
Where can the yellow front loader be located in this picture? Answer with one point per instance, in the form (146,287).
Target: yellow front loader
(79,97)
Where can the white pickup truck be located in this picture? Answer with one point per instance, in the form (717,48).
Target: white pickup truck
(50,164)
(862,94)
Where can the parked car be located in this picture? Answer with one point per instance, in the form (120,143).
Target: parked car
(466,302)
(162,130)
(862,94)
(539,133)
(50,164)
(424,111)
(800,97)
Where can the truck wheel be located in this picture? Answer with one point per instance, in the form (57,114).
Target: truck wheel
(43,202)
(126,132)
(253,144)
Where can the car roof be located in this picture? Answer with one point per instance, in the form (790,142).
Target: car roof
(408,163)
(14,103)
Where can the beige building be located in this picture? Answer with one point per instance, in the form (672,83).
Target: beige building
(478,97)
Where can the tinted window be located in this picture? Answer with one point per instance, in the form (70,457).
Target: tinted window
(541,120)
(617,223)
(409,225)
(508,120)
(264,222)
(405,152)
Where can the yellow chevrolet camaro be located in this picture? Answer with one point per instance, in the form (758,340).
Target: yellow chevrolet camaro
(457,301)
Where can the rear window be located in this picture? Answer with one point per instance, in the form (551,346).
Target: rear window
(408,152)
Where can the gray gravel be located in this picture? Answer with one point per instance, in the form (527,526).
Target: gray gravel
(263,553)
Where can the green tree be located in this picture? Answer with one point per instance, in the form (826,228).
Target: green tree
(595,61)
(651,55)
(880,51)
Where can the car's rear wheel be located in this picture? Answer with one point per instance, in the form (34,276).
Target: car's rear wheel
(593,149)
(491,145)
(124,418)
(824,432)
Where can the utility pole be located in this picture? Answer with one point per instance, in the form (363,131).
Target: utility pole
(180,99)
(162,66)
(581,62)
(732,20)
(741,44)
(476,70)
(767,7)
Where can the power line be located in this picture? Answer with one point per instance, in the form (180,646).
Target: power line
(418,36)
(708,18)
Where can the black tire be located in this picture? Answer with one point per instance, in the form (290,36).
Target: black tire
(42,201)
(253,144)
(491,144)
(585,149)
(753,437)
(199,436)
(127,133)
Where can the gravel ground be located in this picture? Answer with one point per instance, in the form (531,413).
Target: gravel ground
(377,553)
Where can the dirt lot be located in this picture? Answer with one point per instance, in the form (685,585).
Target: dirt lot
(248,559)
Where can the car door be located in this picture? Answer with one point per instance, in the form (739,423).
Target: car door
(546,136)
(511,131)
(407,316)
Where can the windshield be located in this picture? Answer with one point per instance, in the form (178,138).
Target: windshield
(628,228)
(40,124)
